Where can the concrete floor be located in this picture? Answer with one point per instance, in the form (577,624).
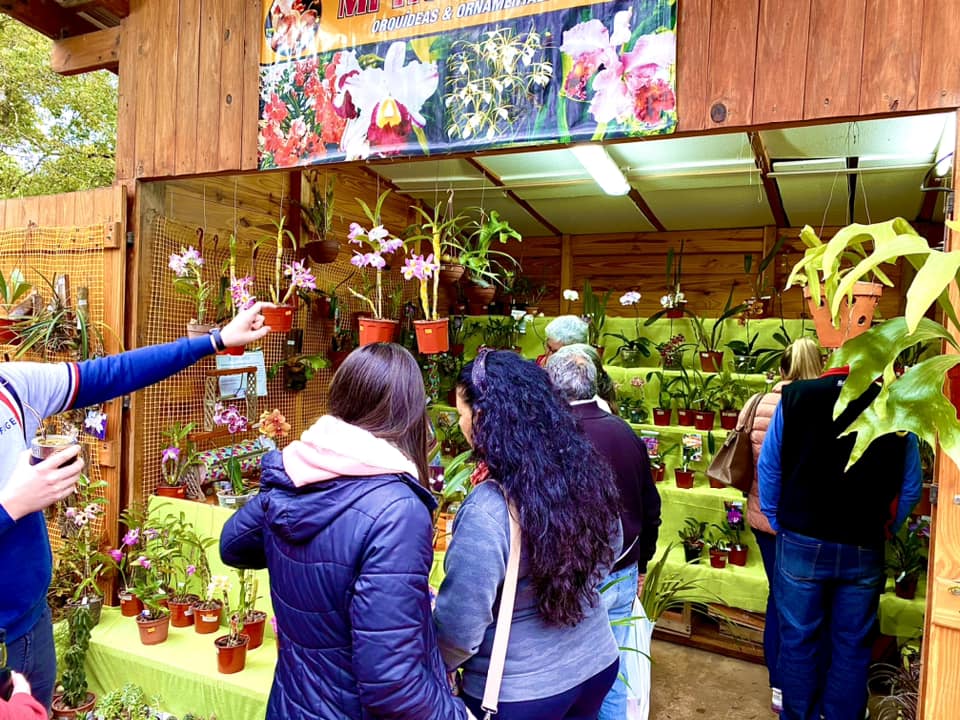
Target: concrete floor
(690,684)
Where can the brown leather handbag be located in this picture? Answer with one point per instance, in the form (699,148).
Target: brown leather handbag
(733,463)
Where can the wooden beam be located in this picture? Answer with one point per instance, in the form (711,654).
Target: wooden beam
(84,53)
(46,17)
(118,8)
(513,196)
(645,209)
(772,190)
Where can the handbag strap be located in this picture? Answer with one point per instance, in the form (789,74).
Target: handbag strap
(751,415)
(498,654)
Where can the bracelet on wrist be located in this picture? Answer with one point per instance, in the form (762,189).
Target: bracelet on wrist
(217,339)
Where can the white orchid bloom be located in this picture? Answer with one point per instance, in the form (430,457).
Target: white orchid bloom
(572,295)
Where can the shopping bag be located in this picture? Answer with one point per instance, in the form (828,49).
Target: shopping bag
(637,662)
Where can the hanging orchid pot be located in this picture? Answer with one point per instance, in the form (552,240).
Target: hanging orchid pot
(432,336)
(279,318)
(374,330)
(855,317)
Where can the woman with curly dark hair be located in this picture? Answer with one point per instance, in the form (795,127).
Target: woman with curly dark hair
(561,657)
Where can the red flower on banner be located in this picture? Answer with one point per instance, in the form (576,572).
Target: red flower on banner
(276,110)
(651,99)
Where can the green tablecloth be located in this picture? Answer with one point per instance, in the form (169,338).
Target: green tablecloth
(182,671)
(901,618)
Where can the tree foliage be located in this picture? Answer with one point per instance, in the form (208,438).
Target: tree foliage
(57,134)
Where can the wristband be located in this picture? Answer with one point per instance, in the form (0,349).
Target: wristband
(217,340)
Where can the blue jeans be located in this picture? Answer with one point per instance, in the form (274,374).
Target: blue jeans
(767,543)
(618,601)
(581,702)
(825,587)
(34,656)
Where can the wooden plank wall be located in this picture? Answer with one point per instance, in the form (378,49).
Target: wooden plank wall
(106,206)
(189,76)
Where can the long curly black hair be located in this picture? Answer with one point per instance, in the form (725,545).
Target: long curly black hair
(564,490)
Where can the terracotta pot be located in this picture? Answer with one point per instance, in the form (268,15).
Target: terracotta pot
(716,484)
(279,318)
(656,471)
(738,555)
(130,604)
(93,603)
(254,629)
(181,611)
(533,309)
(195,330)
(711,361)
(432,336)
(450,274)
(599,349)
(692,553)
(479,298)
(684,478)
(728,419)
(674,313)
(322,251)
(172,491)
(661,416)
(153,632)
(907,588)
(685,417)
(854,319)
(457,350)
(235,351)
(337,357)
(7,334)
(374,331)
(65,713)
(718,558)
(206,621)
(703,419)
(231,659)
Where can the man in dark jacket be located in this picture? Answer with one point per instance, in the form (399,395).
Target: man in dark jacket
(574,374)
(831,524)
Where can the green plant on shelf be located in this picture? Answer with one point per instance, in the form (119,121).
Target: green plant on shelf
(728,392)
(717,539)
(659,460)
(692,532)
(666,399)
(595,312)
(633,409)
(665,588)
(907,558)
(74,677)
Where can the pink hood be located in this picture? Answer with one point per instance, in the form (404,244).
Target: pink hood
(331,448)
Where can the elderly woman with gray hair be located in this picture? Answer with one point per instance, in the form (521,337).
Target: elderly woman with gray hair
(573,371)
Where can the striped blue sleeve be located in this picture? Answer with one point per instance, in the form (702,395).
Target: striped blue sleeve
(97,381)
(769,470)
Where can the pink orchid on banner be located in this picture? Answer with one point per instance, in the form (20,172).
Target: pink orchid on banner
(630,87)
(388,101)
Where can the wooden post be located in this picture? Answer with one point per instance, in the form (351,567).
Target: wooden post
(566,270)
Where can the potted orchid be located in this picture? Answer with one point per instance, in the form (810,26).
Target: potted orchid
(908,557)
(378,242)
(732,526)
(81,550)
(175,459)
(674,300)
(190,572)
(208,612)
(273,426)
(234,492)
(231,648)
(126,559)
(154,620)
(432,336)
(288,278)
(188,280)
(316,214)
(631,349)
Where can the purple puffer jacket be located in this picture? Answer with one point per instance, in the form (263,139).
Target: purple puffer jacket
(349,560)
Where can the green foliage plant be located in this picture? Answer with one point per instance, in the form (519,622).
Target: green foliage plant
(124,703)
(485,266)
(691,534)
(74,677)
(12,289)
(595,312)
(666,587)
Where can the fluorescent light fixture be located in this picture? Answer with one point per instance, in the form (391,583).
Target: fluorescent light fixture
(602,168)
(947,146)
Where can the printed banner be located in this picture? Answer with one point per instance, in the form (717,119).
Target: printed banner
(377,78)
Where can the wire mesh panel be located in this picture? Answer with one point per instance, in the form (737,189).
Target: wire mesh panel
(65,267)
(180,399)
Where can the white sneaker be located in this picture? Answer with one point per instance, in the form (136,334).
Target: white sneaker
(776,700)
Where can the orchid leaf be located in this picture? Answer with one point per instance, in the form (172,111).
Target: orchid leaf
(913,403)
(930,283)
(873,353)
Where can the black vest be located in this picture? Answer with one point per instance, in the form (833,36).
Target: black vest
(819,499)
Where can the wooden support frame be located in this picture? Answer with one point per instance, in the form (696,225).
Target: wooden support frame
(645,209)
(85,53)
(46,17)
(530,210)
(770,187)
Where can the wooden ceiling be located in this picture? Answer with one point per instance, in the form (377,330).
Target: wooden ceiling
(59,19)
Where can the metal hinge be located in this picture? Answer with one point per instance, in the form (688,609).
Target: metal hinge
(126,402)
(130,238)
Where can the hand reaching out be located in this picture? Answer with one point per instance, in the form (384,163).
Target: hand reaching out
(247,327)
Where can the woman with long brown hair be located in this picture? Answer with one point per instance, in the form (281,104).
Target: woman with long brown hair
(343,522)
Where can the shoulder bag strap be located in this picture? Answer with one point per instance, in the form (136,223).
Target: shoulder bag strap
(498,654)
(751,415)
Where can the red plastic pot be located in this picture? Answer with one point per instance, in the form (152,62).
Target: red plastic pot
(685,417)
(130,604)
(181,612)
(238,350)
(153,632)
(254,629)
(337,357)
(684,478)
(279,318)
(661,416)
(711,361)
(738,555)
(657,472)
(703,419)
(432,336)
(907,588)
(674,313)
(231,658)
(206,621)
(374,331)
(171,491)
(718,558)
(7,333)
(728,419)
